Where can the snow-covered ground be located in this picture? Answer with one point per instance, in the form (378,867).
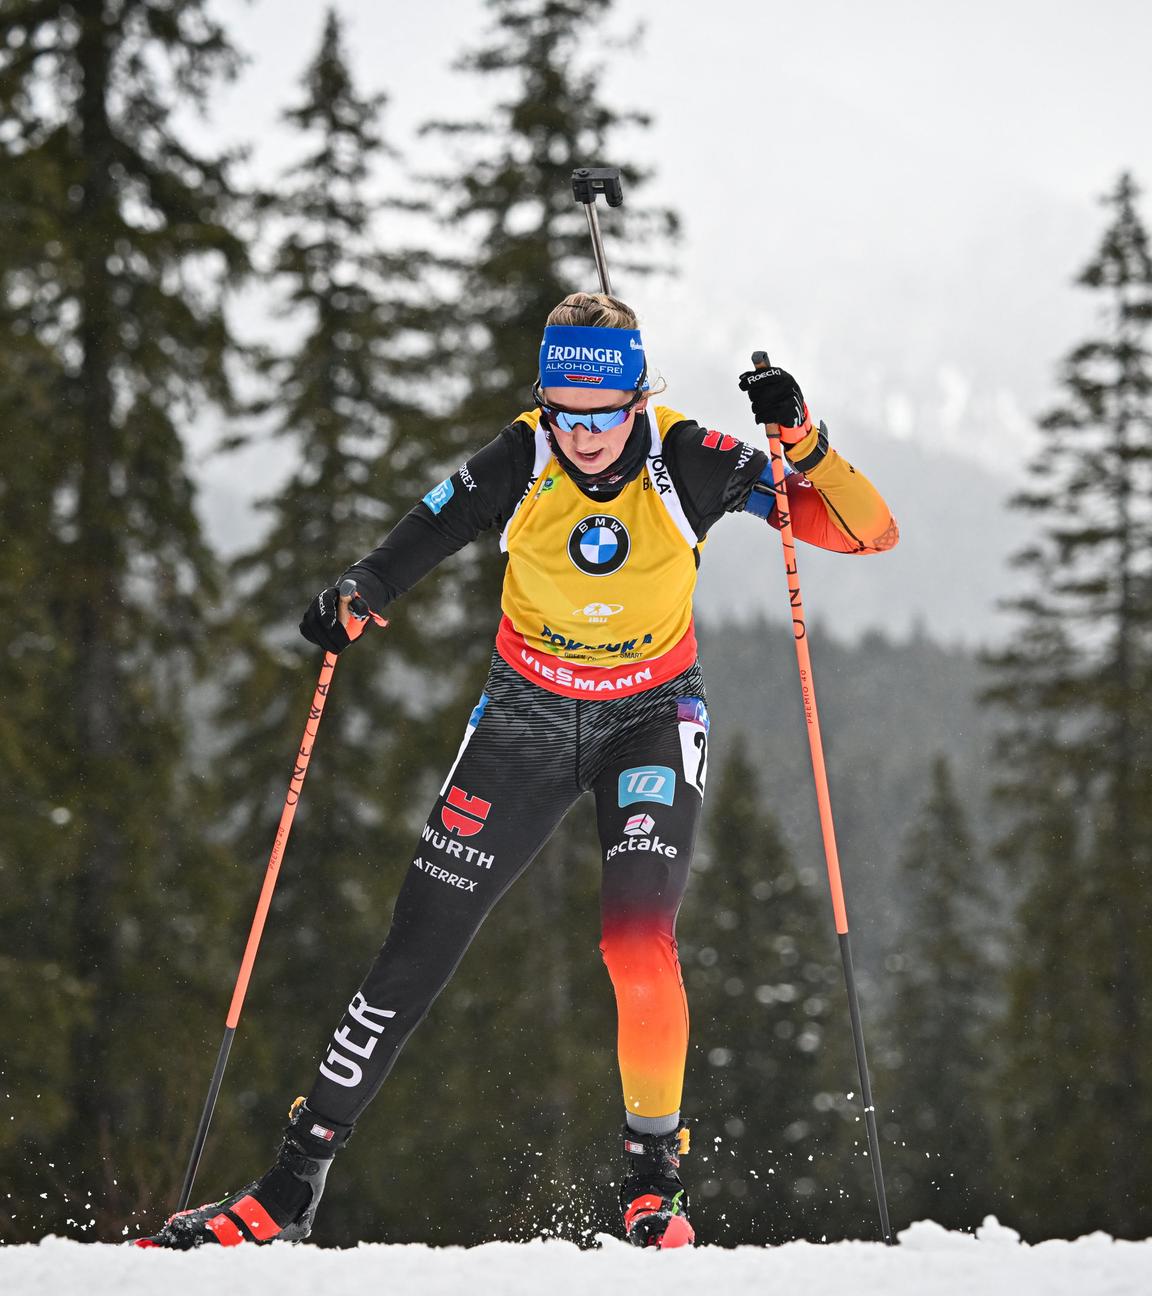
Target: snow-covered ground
(928,1262)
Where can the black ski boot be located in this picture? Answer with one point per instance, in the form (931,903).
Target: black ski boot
(279,1207)
(654,1201)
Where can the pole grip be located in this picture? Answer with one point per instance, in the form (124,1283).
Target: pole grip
(587,184)
(361,612)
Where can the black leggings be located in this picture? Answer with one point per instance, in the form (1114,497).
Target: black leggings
(527,755)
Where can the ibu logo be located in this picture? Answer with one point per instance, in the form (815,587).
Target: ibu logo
(598,613)
(599,545)
(647,783)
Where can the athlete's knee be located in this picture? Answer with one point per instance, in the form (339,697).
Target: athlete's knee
(639,952)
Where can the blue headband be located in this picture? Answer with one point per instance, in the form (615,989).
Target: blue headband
(574,356)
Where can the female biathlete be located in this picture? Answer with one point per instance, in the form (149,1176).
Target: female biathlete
(602,501)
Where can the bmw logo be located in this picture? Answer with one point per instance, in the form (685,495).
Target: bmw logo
(599,545)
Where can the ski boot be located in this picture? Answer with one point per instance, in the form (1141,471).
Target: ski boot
(279,1207)
(654,1201)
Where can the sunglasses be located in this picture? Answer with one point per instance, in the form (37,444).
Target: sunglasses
(593,420)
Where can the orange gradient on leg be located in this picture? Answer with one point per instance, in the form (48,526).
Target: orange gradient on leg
(652,1011)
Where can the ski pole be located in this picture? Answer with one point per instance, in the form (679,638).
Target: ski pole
(824,801)
(355,628)
(587,182)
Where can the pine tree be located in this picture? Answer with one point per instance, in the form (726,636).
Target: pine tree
(349,409)
(1076,762)
(120,255)
(941,1011)
(40,1003)
(768,1073)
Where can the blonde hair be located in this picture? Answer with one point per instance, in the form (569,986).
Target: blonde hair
(593,310)
(598,310)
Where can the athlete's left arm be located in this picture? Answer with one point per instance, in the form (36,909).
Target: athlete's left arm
(832,505)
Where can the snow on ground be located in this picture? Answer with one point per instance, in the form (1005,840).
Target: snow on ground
(928,1262)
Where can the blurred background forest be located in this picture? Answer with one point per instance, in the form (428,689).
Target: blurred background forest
(219,385)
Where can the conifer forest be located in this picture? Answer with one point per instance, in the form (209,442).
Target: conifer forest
(357,322)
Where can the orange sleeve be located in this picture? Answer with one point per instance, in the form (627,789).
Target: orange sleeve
(836,507)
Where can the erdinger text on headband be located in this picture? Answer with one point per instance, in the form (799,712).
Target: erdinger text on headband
(575,356)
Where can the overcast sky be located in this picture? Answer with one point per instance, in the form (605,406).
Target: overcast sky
(891,197)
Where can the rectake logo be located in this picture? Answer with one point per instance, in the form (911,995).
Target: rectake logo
(638,836)
(647,783)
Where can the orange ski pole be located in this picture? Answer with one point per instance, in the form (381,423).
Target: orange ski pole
(824,800)
(355,628)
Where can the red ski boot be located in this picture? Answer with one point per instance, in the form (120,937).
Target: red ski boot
(654,1201)
(279,1207)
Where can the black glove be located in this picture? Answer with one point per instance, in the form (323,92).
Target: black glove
(321,623)
(776,398)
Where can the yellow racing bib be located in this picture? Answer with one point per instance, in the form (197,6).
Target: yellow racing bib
(606,586)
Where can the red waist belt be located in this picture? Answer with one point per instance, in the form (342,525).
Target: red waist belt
(573,679)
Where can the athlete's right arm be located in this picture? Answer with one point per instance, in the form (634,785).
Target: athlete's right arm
(483,492)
